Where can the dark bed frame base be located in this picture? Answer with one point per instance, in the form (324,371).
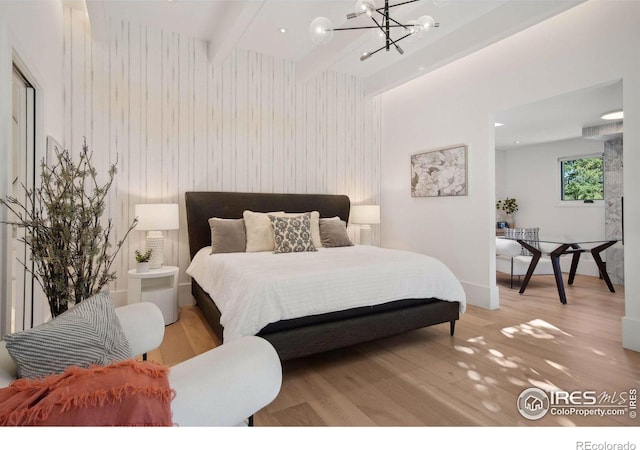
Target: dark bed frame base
(315,334)
(320,337)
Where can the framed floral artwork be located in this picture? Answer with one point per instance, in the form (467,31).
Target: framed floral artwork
(439,173)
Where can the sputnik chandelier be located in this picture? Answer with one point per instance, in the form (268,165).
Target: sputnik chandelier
(321,28)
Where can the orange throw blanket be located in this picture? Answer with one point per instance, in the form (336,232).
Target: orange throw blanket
(128,393)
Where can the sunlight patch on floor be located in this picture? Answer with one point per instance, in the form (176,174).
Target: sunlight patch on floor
(537,328)
(545,385)
(462,348)
(560,367)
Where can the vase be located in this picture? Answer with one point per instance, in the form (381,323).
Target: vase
(510,221)
(142,267)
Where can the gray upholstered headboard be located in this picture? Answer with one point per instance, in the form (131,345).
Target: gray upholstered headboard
(201,206)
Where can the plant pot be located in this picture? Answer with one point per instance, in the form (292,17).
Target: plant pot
(142,267)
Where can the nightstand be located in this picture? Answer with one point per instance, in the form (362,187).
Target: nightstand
(158,286)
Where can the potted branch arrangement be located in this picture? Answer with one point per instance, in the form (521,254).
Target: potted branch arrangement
(70,242)
(143,260)
(509,206)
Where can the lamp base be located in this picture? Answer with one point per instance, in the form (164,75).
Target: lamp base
(155,242)
(366,235)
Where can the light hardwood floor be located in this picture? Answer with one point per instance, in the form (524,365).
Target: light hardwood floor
(428,378)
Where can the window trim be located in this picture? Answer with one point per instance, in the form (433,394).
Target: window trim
(578,203)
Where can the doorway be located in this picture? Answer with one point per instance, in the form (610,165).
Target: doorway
(22,179)
(533,142)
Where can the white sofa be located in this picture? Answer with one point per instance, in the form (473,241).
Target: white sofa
(509,260)
(222,387)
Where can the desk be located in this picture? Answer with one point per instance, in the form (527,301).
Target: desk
(567,248)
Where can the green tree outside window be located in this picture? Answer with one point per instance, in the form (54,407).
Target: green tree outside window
(582,179)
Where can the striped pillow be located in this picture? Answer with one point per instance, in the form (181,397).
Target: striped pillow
(87,334)
(530,235)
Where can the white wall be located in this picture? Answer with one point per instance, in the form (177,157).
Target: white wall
(531,174)
(35,33)
(31,37)
(591,44)
(178,123)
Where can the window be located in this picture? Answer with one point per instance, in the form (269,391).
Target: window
(582,178)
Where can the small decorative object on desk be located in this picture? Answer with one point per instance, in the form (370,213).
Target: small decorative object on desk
(508,206)
(143,260)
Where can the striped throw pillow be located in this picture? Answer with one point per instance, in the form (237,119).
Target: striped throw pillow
(87,334)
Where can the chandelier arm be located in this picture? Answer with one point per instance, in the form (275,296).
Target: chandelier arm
(385,46)
(397,4)
(365,28)
(399,39)
(398,24)
(376,51)
(387,35)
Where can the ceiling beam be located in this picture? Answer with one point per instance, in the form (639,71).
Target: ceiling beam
(230,27)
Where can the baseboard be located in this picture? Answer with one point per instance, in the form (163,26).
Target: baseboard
(631,333)
(481,296)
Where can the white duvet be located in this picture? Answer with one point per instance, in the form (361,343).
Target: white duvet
(253,290)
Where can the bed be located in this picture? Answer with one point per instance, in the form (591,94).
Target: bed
(323,329)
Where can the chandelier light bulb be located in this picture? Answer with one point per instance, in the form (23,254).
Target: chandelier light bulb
(365,7)
(425,22)
(321,30)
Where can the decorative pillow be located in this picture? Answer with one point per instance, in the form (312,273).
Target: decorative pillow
(227,235)
(315,227)
(525,234)
(334,233)
(259,231)
(87,334)
(292,234)
(127,393)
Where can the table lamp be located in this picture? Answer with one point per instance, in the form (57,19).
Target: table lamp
(154,218)
(365,216)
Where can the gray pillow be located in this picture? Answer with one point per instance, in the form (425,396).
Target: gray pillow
(87,334)
(292,234)
(227,235)
(333,233)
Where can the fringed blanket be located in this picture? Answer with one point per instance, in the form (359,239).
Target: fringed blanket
(128,393)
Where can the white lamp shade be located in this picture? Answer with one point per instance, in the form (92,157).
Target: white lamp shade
(365,214)
(157,216)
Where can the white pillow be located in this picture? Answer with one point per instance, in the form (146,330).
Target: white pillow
(260,231)
(315,227)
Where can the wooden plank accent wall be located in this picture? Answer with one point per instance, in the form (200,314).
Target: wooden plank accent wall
(151,100)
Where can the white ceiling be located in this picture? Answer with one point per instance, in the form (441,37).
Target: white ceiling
(465,26)
(558,118)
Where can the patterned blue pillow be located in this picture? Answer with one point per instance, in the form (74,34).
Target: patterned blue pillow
(87,334)
(292,234)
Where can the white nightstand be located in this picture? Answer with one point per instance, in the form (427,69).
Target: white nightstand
(158,286)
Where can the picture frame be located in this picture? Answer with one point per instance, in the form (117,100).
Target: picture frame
(441,172)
